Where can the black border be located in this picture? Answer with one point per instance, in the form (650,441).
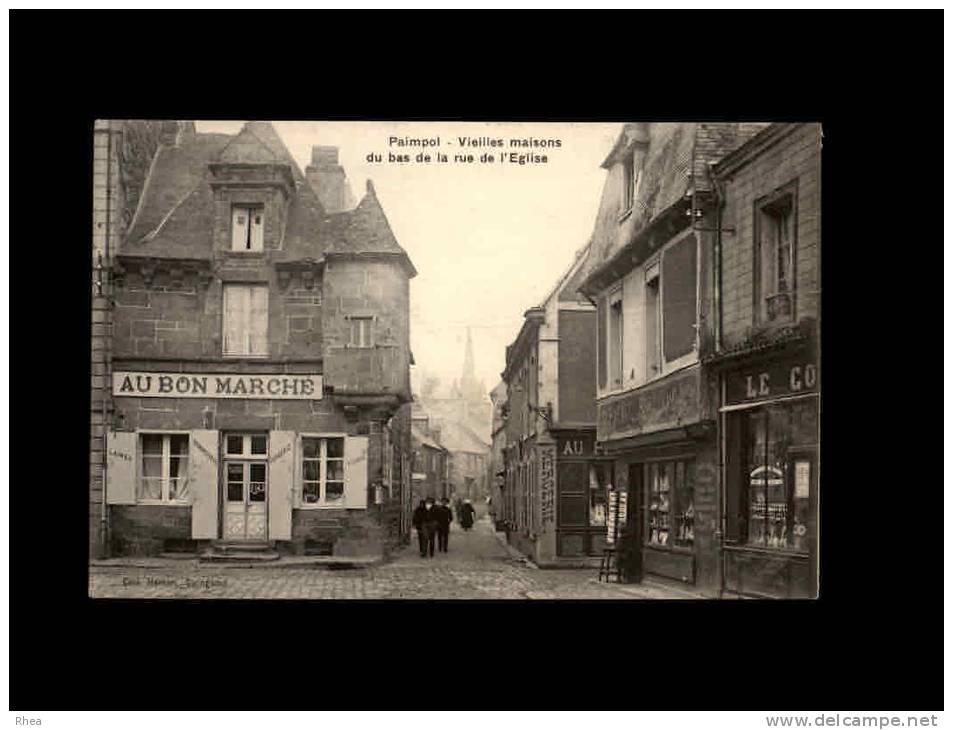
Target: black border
(873,640)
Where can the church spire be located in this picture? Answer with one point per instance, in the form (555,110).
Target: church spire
(469,371)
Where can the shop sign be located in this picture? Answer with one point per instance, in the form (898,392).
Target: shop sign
(771,381)
(208,385)
(668,405)
(575,445)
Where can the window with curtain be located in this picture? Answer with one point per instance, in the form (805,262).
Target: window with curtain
(164,468)
(322,470)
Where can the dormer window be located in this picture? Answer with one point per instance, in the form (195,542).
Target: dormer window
(247,227)
(632,162)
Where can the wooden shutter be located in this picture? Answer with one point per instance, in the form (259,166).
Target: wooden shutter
(239,228)
(203,483)
(121,467)
(602,354)
(679,297)
(258,320)
(355,472)
(234,306)
(257,219)
(281,485)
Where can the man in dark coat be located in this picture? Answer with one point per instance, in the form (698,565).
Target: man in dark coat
(444,518)
(466,515)
(425,520)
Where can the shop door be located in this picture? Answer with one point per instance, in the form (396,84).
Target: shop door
(632,548)
(246,500)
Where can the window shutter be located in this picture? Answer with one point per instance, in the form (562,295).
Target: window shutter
(355,472)
(602,354)
(233,305)
(239,228)
(203,483)
(679,290)
(121,467)
(298,478)
(257,220)
(258,320)
(281,485)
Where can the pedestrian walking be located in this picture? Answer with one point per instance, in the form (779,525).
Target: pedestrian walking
(444,518)
(425,521)
(466,515)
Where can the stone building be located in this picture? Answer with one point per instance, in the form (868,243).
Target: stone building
(496,468)
(554,493)
(652,275)
(766,355)
(431,460)
(257,379)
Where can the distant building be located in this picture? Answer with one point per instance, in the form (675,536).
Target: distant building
(431,462)
(496,468)
(554,493)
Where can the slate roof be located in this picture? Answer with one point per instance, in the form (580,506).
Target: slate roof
(176,210)
(677,157)
(421,437)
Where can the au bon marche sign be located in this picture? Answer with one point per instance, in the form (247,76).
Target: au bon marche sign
(217,385)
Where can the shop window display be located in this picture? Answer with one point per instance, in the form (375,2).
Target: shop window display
(598,479)
(778,481)
(671,506)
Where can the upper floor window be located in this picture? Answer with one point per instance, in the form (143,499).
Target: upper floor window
(615,339)
(362,333)
(164,467)
(653,322)
(245,320)
(774,252)
(247,228)
(632,176)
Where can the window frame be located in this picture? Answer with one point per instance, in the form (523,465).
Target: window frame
(249,209)
(615,297)
(322,459)
(766,207)
(166,456)
(654,263)
(675,509)
(234,286)
(366,342)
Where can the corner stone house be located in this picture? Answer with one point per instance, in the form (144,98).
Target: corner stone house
(255,387)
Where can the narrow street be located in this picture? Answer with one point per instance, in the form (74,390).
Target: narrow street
(477,566)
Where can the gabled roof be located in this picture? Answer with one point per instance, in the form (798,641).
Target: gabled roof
(176,209)
(256,144)
(177,174)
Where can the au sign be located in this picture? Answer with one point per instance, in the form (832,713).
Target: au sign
(205,385)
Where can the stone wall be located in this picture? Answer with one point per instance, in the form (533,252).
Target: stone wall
(795,157)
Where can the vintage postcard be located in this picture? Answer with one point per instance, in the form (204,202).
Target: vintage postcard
(455,360)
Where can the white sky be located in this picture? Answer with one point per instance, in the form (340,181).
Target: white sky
(488,241)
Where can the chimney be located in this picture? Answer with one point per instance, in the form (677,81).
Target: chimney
(327,178)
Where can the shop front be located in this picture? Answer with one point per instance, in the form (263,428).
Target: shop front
(664,458)
(582,484)
(771,447)
(207,465)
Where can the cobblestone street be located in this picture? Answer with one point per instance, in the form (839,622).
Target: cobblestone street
(476,566)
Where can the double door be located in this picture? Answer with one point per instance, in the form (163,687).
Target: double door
(246,500)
